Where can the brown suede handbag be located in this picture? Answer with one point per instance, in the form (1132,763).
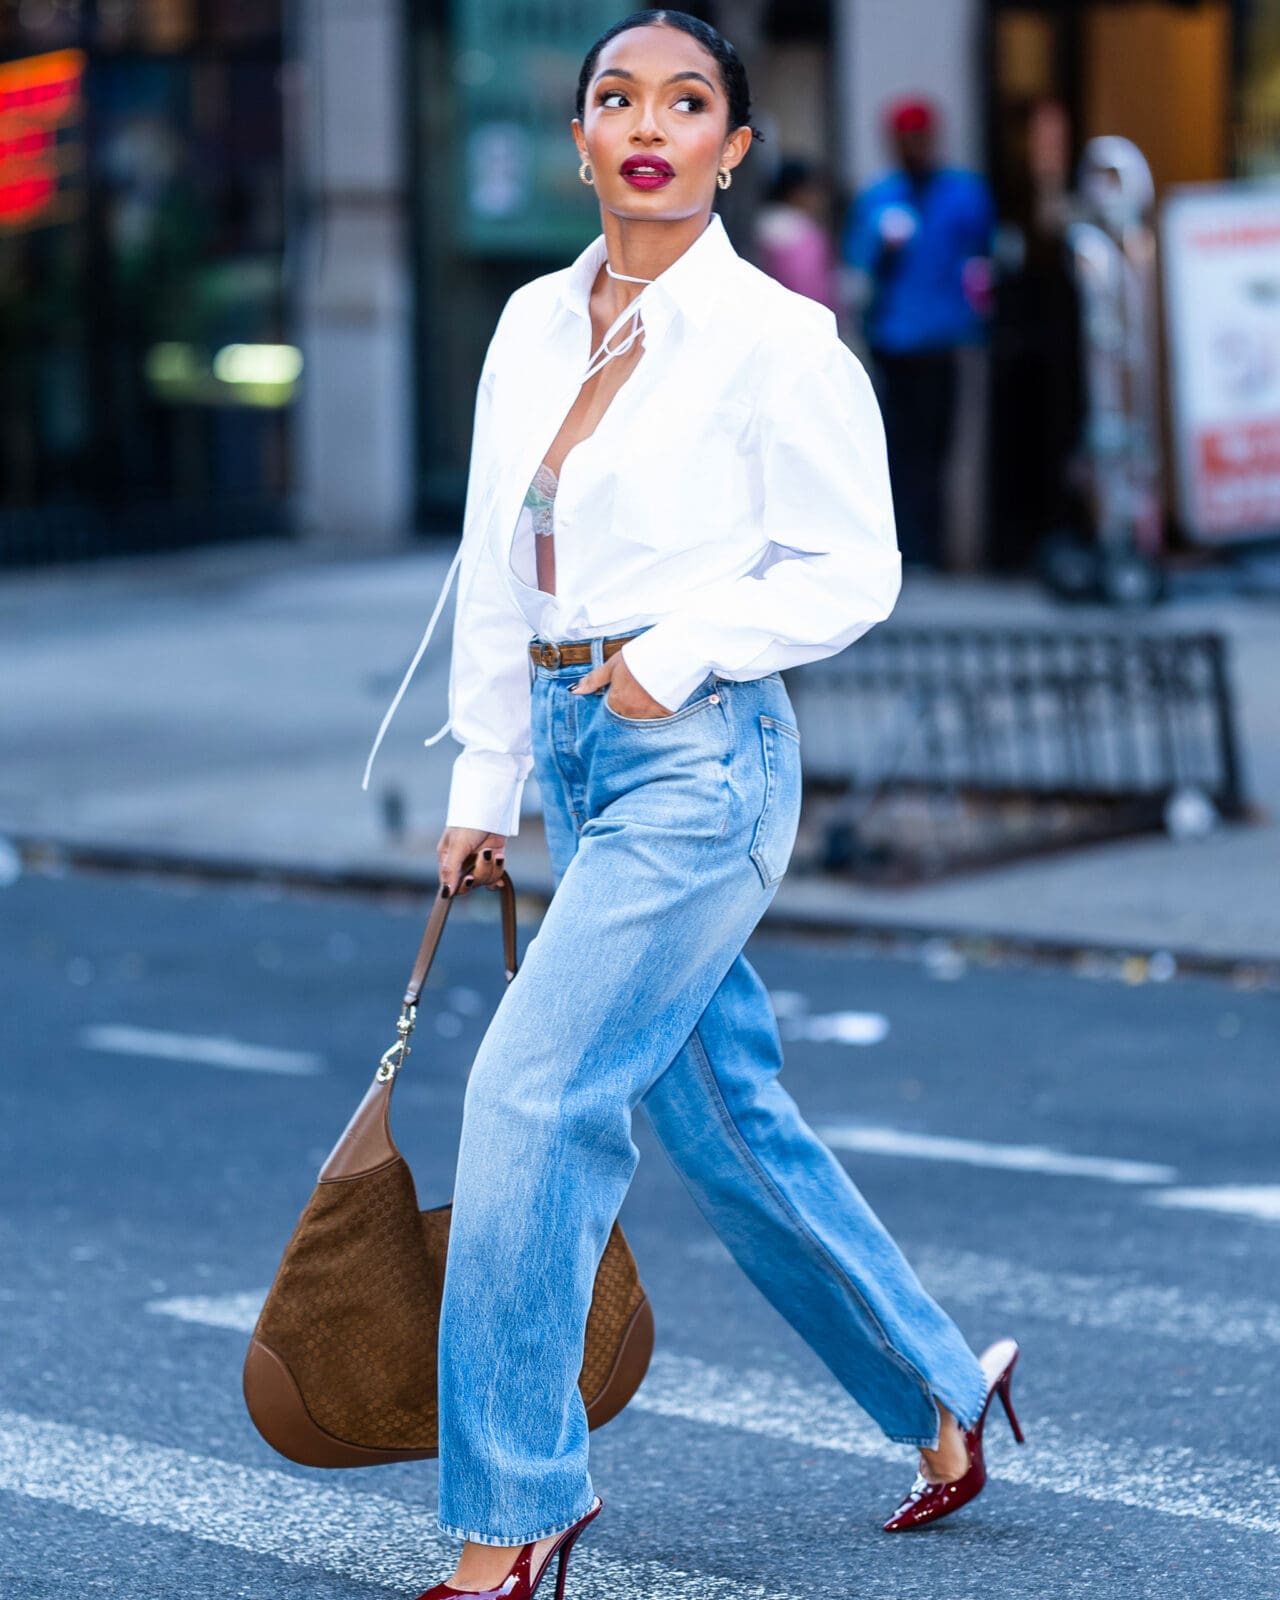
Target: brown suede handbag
(341,1368)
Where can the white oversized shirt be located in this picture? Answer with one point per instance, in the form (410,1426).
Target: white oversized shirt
(735,495)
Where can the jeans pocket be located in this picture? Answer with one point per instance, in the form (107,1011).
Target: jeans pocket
(775,830)
(697,699)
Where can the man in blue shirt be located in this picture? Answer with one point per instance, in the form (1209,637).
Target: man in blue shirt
(920,236)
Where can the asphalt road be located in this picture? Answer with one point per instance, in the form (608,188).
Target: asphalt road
(1088,1166)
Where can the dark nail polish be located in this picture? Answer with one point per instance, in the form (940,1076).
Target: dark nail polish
(487,854)
(444,891)
(468,881)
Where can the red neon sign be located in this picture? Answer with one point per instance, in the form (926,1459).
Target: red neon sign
(40,105)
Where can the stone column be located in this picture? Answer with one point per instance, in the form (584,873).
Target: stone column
(353,294)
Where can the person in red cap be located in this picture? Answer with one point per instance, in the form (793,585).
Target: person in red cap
(911,116)
(919,238)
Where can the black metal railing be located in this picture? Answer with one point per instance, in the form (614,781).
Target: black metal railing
(925,749)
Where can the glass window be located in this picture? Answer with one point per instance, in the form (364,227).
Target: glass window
(145,359)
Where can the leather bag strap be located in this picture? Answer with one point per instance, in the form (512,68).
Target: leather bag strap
(435,927)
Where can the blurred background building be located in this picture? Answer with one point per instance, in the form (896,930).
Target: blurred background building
(251,250)
(146,376)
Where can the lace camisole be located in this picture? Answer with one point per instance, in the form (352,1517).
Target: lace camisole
(533,552)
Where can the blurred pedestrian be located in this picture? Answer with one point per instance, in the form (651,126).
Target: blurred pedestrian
(793,233)
(920,238)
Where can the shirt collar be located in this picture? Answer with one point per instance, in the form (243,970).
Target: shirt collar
(691,284)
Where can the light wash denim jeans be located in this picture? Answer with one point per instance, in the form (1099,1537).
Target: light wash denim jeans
(668,838)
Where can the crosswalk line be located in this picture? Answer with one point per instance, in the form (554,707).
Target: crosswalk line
(961,1277)
(1081,1299)
(1258,1200)
(882,1141)
(1096,1300)
(1174,1481)
(200,1049)
(796,1021)
(364,1537)
(236,1312)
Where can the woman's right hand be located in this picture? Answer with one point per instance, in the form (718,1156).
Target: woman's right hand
(456,844)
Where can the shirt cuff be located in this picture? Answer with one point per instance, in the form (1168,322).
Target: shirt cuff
(661,661)
(485,792)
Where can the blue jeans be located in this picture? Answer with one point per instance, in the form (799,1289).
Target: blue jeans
(668,838)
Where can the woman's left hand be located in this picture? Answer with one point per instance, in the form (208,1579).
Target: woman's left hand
(626,697)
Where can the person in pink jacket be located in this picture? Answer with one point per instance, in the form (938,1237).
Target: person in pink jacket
(793,242)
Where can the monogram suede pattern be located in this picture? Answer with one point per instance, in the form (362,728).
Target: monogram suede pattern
(354,1310)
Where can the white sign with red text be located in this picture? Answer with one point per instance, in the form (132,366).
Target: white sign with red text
(1220,247)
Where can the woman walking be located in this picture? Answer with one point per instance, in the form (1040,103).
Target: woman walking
(678,488)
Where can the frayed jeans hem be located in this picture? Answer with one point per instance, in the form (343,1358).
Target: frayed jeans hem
(964,1420)
(920,1441)
(514,1540)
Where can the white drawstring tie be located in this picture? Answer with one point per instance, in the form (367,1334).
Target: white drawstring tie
(600,359)
(413,667)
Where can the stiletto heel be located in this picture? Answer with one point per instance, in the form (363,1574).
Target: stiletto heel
(521,1582)
(563,1572)
(565,1553)
(927,1501)
(1002,1389)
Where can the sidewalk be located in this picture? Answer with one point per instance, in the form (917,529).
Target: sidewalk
(218,705)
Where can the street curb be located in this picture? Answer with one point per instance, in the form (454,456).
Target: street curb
(1126,962)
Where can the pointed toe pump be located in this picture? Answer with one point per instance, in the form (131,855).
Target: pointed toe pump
(927,1501)
(522,1579)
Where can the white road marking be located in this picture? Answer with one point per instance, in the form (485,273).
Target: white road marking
(1056,1460)
(1179,1481)
(237,1312)
(788,1002)
(1257,1200)
(870,1140)
(10,864)
(838,1027)
(795,1021)
(1080,1299)
(1096,1300)
(206,1050)
(364,1537)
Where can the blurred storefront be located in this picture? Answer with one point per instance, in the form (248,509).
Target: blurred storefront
(1195,84)
(146,372)
(197,196)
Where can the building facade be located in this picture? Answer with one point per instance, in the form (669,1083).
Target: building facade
(251,250)
(146,369)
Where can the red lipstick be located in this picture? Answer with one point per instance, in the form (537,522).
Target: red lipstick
(647,172)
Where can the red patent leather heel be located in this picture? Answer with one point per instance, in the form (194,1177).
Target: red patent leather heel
(926,1501)
(1002,1389)
(521,1582)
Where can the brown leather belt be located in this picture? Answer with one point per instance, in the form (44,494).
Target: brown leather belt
(572,651)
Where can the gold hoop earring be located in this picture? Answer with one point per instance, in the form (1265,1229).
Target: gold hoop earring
(723,178)
(584,171)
